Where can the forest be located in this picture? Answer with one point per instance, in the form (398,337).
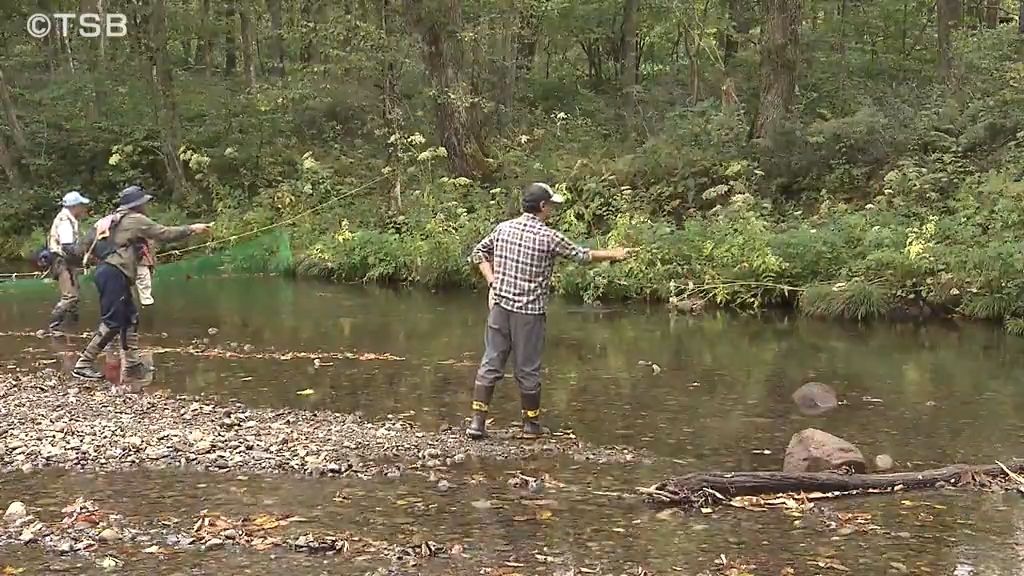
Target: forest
(850,159)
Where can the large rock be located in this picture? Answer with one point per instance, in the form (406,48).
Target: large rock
(812,450)
(815,398)
(16,511)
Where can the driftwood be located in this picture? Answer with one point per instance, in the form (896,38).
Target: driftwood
(702,489)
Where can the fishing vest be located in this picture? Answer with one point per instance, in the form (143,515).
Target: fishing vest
(99,244)
(53,240)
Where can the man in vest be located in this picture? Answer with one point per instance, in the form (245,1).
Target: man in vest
(61,243)
(517,260)
(115,246)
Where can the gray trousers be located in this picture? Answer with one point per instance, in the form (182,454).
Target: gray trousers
(522,336)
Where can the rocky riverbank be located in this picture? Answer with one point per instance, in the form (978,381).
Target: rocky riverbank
(86,530)
(47,421)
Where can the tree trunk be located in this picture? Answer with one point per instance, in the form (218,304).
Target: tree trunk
(1020,17)
(948,20)
(311,18)
(692,62)
(276,38)
(230,44)
(740,19)
(167,113)
(390,103)
(205,44)
(9,164)
(691,489)
(780,55)
(11,114)
(505,63)
(840,42)
(992,13)
(439,23)
(526,39)
(248,61)
(629,80)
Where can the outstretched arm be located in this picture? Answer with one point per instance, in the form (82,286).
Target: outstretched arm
(567,249)
(612,255)
(151,230)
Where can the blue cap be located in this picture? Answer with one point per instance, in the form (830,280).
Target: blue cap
(74,198)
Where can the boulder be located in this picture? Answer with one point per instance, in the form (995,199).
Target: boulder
(883,463)
(16,511)
(813,450)
(815,398)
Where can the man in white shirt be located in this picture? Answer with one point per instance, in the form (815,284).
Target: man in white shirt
(62,242)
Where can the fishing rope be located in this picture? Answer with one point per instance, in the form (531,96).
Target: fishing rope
(284,222)
(180,251)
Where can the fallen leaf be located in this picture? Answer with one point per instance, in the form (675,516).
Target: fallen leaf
(11,570)
(305,392)
(544,514)
(825,563)
(109,562)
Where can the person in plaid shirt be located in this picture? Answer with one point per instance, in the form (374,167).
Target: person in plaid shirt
(517,260)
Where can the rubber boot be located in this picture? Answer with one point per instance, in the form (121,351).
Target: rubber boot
(56,322)
(84,367)
(481,406)
(132,360)
(531,414)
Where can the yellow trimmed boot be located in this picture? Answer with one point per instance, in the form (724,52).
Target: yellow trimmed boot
(531,414)
(481,406)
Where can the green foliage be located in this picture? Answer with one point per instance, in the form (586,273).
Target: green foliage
(857,300)
(883,181)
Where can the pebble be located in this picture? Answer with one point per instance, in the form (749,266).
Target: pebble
(213,544)
(883,462)
(212,331)
(16,511)
(109,535)
(535,486)
(229,534)
(443,485)
(110,433)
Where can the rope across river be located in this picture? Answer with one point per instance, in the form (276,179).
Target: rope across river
(284,222)
(178,252)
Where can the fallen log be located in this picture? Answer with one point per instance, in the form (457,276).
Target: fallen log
(706,488)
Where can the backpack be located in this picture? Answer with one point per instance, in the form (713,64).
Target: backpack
(42,259)
(97,244)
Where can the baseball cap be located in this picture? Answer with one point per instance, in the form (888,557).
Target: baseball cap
(74,198)
(539,192)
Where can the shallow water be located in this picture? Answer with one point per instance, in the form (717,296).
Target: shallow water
(926,395)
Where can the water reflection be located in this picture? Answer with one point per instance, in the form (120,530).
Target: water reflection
(931,394)
(925,395)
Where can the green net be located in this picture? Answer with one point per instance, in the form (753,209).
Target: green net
(270,253)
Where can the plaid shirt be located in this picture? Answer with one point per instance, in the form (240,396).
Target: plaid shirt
(522,252)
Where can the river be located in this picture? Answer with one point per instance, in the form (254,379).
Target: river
(718,399)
